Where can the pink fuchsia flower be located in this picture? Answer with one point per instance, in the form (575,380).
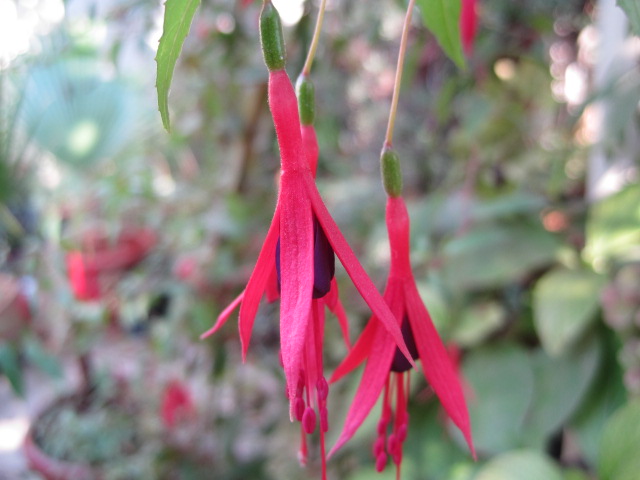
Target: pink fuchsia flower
(386,371)
(85,283)
(468,24)
(301,222)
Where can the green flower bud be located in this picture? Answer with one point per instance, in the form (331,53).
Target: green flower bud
(391,173)
(306,100)
(271,37)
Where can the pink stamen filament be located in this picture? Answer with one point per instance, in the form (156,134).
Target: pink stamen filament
(313,387)
(398,387)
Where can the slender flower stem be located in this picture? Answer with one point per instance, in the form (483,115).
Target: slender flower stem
(396,87)
(314,41)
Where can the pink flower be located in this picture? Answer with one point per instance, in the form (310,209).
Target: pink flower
(84,280)
(386,369)
(306,233)
(176,403)
(301,244)
(468,25)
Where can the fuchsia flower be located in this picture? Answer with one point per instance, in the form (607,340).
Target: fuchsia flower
(300,242)
(176,404)
(386,369)
(84,281)
(468,24)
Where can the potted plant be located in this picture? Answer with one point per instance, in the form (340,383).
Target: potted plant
(92,434)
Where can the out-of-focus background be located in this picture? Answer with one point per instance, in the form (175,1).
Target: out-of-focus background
(120,243)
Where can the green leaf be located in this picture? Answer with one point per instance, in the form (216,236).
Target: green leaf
(520,465)
(36,354)
(507,205)
(442,17)
(575,474)
(178,15)
(632,9)
(612,227)
(431,455)
(565,303)
(606,395)
(10,366)
(478,322)
(548,393)
(619,459)
(561,385)
(492,255)
(498,409)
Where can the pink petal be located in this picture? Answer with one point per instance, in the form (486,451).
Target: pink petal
(436,363)
(313,346)
(224,316)
(296,273)
(310,143)
(272,285)
(351,264)
(374,377)
(468,24)
(394,296)
(333,303)
(257,283)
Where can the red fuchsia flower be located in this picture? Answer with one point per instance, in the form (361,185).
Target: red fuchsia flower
(468,24)
(302,238)
(272,289)
(386,371)
(176,404)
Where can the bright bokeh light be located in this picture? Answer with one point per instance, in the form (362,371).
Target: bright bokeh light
(12,433)
(21,22)
(290,10)
(505,69)
(83,137)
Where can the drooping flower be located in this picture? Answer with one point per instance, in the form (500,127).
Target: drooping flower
(301,222)
(468,24)
(388,371)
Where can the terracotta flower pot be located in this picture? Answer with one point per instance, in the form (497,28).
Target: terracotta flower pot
(98,256)
(53,469)
(71,465)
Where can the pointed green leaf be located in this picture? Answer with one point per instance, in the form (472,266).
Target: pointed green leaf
(38,356)
(632,9)
(442,17)
(605,396)
(491,255)
(619,459)
(612,227)
(498,411)
(178,15)
(565,303)
(561,385)
(520,465)
(10,366)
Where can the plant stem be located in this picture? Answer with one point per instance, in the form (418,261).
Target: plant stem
(314,41)
(249,137)
(388,139)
